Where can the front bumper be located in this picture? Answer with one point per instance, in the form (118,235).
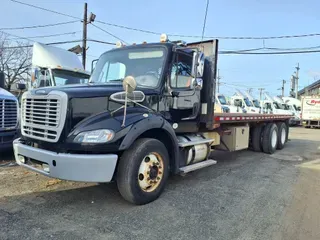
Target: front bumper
(74,167)
(6,139)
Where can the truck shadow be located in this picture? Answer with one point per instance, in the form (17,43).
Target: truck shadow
(6,156)
(107,195)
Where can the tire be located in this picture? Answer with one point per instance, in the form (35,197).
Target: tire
(282,135)
(287,137)
(136,183)
(270,138)
(256,138)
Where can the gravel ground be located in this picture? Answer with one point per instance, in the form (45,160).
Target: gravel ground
(245,196)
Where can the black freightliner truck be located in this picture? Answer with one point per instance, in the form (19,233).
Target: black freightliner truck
(147,112)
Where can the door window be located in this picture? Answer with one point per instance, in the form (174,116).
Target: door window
(181,72)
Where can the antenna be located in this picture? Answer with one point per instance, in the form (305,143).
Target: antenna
(129,84)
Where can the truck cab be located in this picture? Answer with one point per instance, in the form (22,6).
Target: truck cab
(52,66)
(295,106)
(239,100)
(9,117)
(221,100)
(272,106)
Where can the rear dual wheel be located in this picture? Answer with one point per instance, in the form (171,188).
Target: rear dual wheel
(282,135)
(270,137)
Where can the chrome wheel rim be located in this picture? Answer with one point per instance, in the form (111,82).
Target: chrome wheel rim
(283,135)
(274,138)
(150,172)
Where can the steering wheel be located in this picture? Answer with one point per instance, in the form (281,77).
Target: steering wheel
(152,73)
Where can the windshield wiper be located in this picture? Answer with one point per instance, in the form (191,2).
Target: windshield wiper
(116,80)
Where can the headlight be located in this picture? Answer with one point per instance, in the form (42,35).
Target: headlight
(96,136)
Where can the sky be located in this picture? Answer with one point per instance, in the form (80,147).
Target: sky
(249,18)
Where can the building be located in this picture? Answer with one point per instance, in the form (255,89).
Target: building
(312,89)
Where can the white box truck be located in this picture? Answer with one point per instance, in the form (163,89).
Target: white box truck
(310,112)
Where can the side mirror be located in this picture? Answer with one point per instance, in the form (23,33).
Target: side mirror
(237,103)
(197,64)
(196,83)
(93,64)
(21,85)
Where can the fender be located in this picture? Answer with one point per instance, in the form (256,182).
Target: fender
(104,120)
(153,122)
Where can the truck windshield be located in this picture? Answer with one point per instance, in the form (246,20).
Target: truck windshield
(222,100)
(256,103)
(64,77)
(144,64)
(285,106)
(247,101)
(296,107)
(276,105)
(59,77)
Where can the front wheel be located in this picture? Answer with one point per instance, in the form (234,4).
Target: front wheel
(143,171)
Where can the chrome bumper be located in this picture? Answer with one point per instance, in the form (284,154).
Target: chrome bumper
(74,167)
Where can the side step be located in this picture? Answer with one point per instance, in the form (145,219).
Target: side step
(197,166)
(187,144)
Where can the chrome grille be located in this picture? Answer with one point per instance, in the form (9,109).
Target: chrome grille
(8,113)
(43,116)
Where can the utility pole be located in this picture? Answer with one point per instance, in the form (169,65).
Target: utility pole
(218,81)
(297,80)
(84,36)
(261,89)
(283,83)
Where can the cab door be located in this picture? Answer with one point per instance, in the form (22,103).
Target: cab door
(185,88)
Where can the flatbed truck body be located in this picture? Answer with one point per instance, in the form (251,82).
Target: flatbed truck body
(147,112)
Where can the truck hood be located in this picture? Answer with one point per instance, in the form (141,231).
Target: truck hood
(6,94)
(88,90)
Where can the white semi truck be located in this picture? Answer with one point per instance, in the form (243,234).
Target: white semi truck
(310,111)
(240,100)
(271,106)
(222,101)
(52,66)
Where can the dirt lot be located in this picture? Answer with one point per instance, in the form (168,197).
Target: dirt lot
(245,196)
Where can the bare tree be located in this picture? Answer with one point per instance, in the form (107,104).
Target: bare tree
(15,60)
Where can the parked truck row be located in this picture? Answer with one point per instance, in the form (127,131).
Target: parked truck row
(148,111)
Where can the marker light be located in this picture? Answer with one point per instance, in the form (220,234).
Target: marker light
(163,37)
(119,44)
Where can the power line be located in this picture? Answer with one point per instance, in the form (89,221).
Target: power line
(52,43)
(26,38)
(44,9)
(212,37)
(109,33)
(61,42)
(99,41)
(38,26)
(179,35)
(45,36)
(268,53)
(67,15)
